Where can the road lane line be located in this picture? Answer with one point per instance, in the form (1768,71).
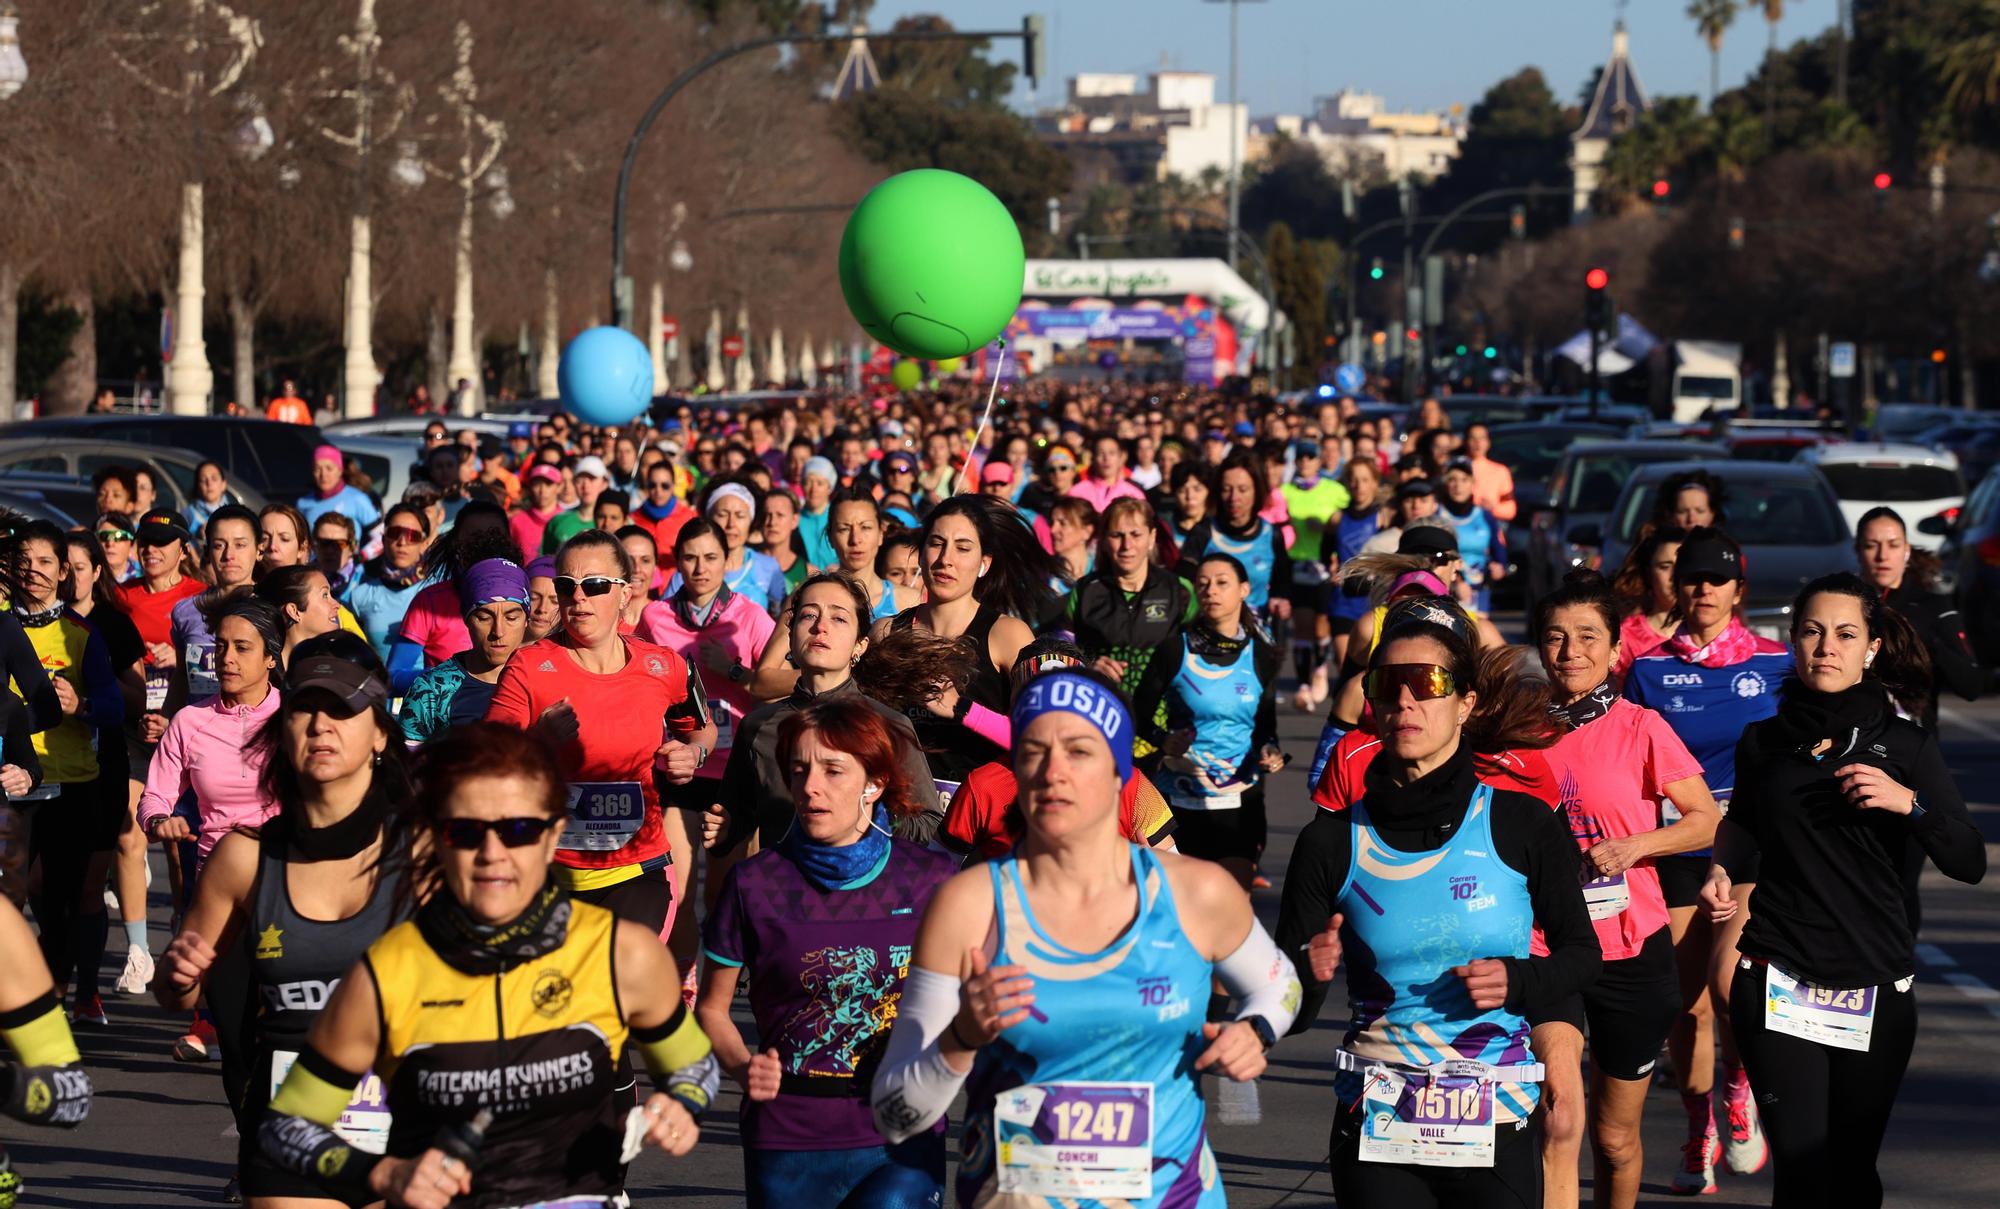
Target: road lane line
(1980,727)
(1969,985)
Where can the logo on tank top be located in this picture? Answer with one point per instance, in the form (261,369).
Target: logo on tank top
(551,993)
(547,666)
(1747,684)
(1158,992)
(1156,610)
(271,943)
(1465,889)
(655,666)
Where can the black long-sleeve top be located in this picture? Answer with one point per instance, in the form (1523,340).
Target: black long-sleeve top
(23,664)
(1937,622)
(1830,904)
(17,744)
(1422,817)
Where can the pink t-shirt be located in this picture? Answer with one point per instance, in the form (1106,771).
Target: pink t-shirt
(1612,774)
(209,748)
(1636,637)
(435,621)
(741,631)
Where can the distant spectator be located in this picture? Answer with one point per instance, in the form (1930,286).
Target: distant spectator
(288,408)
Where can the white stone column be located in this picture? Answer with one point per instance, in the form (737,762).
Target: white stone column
(547,384)
(656,314)
(359,377)
(189,379)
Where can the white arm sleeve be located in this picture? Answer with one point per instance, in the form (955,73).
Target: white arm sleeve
(1261,979)
(915,1086)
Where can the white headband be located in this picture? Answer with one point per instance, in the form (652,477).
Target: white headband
(731,491)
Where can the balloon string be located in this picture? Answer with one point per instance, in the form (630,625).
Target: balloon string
(965,473)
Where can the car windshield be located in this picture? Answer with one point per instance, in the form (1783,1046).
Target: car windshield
(1766,451)
(1789,512)
(1532,453)
(1688,386)
(1595,479)
(1892,482)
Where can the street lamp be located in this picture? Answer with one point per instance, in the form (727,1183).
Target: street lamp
(1235,134)
(13,66)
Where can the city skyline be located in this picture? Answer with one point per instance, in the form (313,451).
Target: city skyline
(1282,74)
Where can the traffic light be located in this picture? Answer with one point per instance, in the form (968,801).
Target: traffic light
(1375,269)
(1597,298)
(1034,48)
(1662,188)
(1736,234)
(1461,350)
(1883,183)
(1413,335)
(1517,221)
(1490,352)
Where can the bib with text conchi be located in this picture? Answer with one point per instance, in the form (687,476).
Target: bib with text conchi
(1089,1141)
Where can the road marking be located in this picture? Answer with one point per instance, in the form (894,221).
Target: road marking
(1980,727)
(1971,986)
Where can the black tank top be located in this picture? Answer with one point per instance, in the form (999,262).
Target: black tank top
(952,748)
(296,962)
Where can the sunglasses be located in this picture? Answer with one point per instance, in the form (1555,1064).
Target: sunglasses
(401,534)
(1426,681)
(470,834)
(594,585)
(113,535)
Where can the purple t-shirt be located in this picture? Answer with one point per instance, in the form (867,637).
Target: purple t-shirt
(826,970)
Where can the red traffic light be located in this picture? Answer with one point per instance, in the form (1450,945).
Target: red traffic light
(1883,180)
(1597,279)
(1661,188)
(1413,335)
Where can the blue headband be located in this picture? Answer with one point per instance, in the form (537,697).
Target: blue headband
(1073,693)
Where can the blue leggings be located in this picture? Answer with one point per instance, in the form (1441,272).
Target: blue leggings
(905,1176)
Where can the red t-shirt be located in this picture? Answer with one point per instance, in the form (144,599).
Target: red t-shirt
(434,622)
(1340,786)
(621,720)
(981,819)
(152,612)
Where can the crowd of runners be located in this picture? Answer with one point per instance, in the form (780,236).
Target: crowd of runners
(949,751)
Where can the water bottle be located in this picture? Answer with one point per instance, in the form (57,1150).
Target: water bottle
(1238,1104)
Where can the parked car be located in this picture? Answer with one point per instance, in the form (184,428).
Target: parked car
(273,459)
(1915,481)
(1784,515)
(1975,443)
(389,461)
(1971,557)
(1531,451)
(492,429)
(1908,421)
(28,500)
(173,469)
(1568,531)
(1775,444)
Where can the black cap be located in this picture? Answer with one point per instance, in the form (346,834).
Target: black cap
(160,526)
(1430,540)
(341,664)
(1464,464)
(1710,554)
(1414,487)
(1305,447)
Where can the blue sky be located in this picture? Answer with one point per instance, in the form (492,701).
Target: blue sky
(1418,54)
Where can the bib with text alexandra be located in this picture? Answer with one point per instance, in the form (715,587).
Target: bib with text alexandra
(603,815)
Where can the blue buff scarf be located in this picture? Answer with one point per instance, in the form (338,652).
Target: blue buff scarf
(1075,693)
(845,867)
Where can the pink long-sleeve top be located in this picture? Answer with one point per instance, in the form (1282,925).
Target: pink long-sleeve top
(207,748)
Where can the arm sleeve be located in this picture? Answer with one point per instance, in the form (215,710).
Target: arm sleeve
(995,728)
(100,683)
(1262,980)
(1152,690)
(297,1130)
(1945,831)
(406,661)
(1312,884)
(915,1086)
(1281,563)
(1952,657)
(1536,841)
(49,1085)
(32,679)
(166,775)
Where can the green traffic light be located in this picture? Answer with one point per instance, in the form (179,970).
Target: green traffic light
(1491,352)
(1461,350)
(1375,274)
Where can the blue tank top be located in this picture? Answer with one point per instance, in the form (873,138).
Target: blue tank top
(1411,917)
(1255,552)
(1221,702)
(1129,1013)
(885,607)
(1475,541)
(1349,536)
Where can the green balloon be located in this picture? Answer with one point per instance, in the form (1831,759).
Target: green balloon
(931,264)
(906,374)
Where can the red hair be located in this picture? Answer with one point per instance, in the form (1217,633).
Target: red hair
(852,725)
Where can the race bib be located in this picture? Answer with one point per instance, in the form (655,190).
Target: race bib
(1090,1141)
(1436,1121)
(725,723)
(603,815)
(1607,896)
(1837,1018)
(365,1122)
(946,791)
(200,664)
(156,691)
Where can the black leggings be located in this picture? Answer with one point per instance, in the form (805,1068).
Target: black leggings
(1513,1182)
(69,830)
(1824,1109)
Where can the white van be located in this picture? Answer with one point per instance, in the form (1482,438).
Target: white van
(1707,374)
(1917,482)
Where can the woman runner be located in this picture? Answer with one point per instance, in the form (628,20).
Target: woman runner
(458,691)
(855,529)
(45,1083)
(1234,528)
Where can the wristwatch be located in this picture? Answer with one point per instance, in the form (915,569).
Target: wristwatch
(738,672)
(1916,805)
(1266,1035)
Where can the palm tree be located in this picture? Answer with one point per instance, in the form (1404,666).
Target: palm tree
(1774,12)
(1969,65)
(1712,18)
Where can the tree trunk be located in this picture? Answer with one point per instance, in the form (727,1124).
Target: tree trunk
(243,348)
(74,383)
(436,349)
(10,334)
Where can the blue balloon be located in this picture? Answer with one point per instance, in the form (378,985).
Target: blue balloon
(606,376)
(1349,378)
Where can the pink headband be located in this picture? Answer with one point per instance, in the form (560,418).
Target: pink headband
(1418,579)
(331,454)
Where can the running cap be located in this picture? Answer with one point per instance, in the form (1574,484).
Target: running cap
(543,567)
(901,459)
(593,466)
(1073,691)
(492,580)
(1417,579)
(1245,428)
(1414,488)
(328,453)
(1705,553)
(162,525)
(1431,540)
(341,664)
(1305,447)
(823,467)
(1458,466)
(542,470)
(997,472)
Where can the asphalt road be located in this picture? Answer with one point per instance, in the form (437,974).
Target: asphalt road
(158,1132)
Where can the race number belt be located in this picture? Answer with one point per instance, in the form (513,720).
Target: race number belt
(1439,1116)
(946,791)
(725,723)
(156,690)
(364,1123)
(603,815)
(1606,897)
(1831,1016)
(1091,1141)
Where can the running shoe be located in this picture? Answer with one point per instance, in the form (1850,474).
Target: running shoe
(199,1044)
(11,1186)
(1696,1175)
(233,1191)
(138,971)
(1747,1152)
(89,1011)
(1259,882)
